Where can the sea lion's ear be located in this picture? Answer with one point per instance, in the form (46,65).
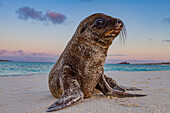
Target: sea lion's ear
(84,27)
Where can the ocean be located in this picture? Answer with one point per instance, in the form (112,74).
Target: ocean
(37,68)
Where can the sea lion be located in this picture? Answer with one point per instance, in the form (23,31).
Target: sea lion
(79,70)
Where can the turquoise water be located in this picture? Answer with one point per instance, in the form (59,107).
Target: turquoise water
(34,68)
(24,68)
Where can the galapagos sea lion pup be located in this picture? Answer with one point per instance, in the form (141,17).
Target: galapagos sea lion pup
(79,70)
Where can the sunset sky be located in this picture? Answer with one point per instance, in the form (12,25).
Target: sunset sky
(38,30)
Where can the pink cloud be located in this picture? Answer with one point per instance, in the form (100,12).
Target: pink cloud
(18,52)
(20,55)
(56,18)
(2,52)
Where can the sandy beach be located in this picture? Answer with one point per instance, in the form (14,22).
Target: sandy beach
(30,94)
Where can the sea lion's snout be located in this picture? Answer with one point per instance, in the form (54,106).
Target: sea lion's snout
(119,23)
(116,27)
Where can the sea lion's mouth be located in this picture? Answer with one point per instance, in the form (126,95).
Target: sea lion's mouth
(112,33)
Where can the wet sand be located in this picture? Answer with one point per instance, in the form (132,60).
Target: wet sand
(30,94)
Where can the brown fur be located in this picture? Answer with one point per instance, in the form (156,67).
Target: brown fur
(79,70)
(85,56)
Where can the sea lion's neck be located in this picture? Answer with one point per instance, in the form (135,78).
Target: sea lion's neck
(86,48)
(92,43)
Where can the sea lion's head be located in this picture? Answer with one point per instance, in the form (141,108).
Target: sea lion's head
(101,28)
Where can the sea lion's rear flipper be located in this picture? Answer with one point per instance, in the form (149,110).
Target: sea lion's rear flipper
(71,91)
(113,84)
(130,88)
(105,88)
(122,94)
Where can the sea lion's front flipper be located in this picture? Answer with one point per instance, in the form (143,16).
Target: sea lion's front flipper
(105,88)
(71,91)
(113,84)
(70,96)
(65,101)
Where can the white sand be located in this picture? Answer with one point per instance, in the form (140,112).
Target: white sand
(30,94)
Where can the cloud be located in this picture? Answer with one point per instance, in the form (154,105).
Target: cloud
(116,55)
(25,13)
(167,40)
(167,20)
(2,52)
(18,52)
(20,55)
(33,54)
(55,18)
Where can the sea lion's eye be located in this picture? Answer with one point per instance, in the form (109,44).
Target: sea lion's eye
(98,22)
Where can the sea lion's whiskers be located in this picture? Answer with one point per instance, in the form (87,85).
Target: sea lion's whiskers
(122,36)
(124,32)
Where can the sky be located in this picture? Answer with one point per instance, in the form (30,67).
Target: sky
(39,30)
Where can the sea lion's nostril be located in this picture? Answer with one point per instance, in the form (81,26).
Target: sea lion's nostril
(118,21)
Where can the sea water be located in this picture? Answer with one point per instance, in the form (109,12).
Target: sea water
(38,68)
